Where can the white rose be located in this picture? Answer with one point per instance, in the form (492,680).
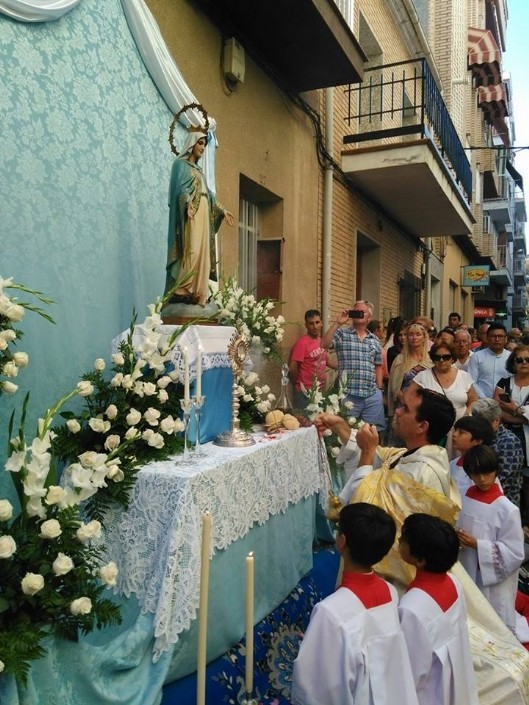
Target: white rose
(55,495)
(131,433)
(6,510)
(8,335)
(112,471)
(92,530)
(3,344)
(327,432)
(2,666)
(117,474)
(179,426)
(99,425)
(84,388)
(73,425)
(62,564)
(133,417)
(108,573)
(151,416)
(7,546)
(162,396)
(118,359)
(32,583)
(351,420)
(334,451)
(155,440)
(117,380)
(112,442)
(14,312)
(348,404)
(149,389)
(50,529)
(10,369)
(21,359)
(167,425)
(138,389)
(99,364)
(247,397)
(111,412)
(8,387)
(83,605)
(127,382)
(163,382)
(174,375)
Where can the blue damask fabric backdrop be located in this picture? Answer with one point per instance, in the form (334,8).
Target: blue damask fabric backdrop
(85,167)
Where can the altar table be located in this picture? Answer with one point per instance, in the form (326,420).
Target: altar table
(261,498)
(156,542)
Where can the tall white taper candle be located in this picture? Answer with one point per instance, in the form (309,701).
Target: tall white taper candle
(199,373)
(203,609)
(249,623)
(186,374)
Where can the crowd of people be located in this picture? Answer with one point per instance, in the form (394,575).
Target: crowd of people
(450,487)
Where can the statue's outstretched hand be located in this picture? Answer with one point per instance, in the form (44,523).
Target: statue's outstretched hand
(229,218)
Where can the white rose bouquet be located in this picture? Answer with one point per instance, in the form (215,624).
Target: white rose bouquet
(130,417)
(255,400)
(11,312)
(250,317)
(52,575)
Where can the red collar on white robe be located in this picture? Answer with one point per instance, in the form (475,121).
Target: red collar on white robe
(370,589)
(487,497)
(438,586)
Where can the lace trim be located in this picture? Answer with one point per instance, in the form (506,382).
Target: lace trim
(156,542)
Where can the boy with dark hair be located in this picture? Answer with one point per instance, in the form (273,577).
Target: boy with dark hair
(490,533)
(354,650)
(469,431)
(433,615)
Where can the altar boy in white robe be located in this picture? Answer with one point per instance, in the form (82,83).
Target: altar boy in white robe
(354,652)
(490,533)
(433,616)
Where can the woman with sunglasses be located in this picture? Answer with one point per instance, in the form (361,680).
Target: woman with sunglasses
(445,378)
(512,394)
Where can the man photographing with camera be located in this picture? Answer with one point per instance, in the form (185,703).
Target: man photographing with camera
(359,355)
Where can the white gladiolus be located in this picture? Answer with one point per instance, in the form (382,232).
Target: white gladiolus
(15,461)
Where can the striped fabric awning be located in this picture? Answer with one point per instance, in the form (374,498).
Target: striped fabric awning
(493,100)
(484,57)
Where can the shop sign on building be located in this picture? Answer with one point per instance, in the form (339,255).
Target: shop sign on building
(475,275)
(484,312)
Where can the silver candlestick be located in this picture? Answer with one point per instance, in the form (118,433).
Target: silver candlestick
(198,403)
(235,437)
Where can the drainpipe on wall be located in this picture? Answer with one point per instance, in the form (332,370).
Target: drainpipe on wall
(327,213)
(427,280)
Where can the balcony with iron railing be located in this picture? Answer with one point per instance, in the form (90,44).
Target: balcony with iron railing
(402,148)
(504,261)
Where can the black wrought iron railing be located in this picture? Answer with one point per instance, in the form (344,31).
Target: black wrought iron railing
(403,99)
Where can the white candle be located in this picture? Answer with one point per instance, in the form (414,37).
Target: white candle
(199,372)
(203,609)
(186,374)
(249,623)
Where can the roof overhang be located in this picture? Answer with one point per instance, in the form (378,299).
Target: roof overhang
(306,44)
(414,185)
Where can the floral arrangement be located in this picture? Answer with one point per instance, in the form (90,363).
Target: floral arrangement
(130,418)
(255,401)
(331,401)
(12,311)
(52,577)
(250,317)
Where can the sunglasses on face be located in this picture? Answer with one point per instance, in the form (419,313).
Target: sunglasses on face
(444,358)
(521,360)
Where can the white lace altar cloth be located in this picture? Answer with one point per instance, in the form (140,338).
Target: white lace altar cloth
(156,542)
(212,339)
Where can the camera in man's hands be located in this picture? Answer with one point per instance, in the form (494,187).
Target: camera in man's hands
(355,314)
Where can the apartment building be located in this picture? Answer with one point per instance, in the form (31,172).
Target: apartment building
(348,135)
